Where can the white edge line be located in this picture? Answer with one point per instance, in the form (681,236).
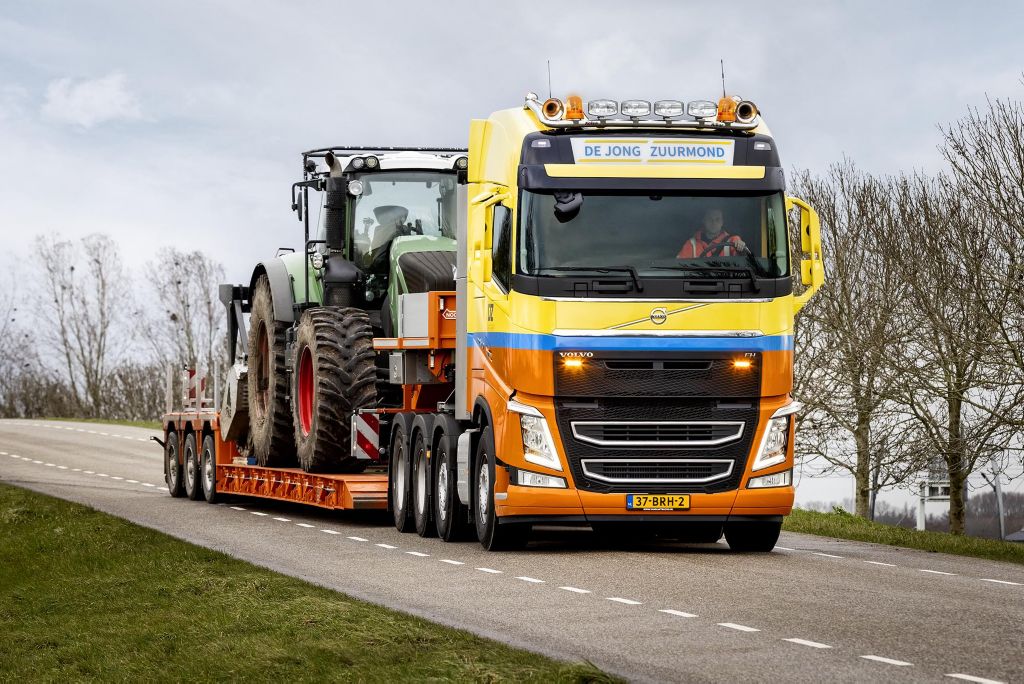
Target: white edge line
(677,613)
(887,661)
(805,642)
(739,628)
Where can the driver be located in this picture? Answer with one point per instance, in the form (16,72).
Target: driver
(712,240)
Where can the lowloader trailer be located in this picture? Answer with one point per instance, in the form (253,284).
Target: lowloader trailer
(616,349)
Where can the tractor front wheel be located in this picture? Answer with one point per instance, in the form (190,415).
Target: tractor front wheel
(270,425)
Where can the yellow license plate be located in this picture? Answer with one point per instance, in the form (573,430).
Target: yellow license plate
(658,502)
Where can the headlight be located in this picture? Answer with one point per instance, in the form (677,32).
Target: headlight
(782,479)
(526,478)
(776,436)
(538,447)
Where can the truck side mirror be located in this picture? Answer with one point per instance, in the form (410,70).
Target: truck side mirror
(812,265)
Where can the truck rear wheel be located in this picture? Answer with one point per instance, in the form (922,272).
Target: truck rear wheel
(422,491)
(173,472)
(450,515)
(492,535)
(752,536)
(335,375)
(270,419)
(208,468)
(399,473)
(193,489)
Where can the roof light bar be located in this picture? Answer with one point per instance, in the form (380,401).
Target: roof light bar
(730,113)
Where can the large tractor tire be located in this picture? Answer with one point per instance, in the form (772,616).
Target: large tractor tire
(270,416)
(335,375)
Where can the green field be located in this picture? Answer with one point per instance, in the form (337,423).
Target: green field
(86,596)
(846,526)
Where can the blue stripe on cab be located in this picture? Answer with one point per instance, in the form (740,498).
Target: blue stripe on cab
(622,343)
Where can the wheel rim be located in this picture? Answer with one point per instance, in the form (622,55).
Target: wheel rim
(306,391)
(208,473)
(190,472)
(421,481)
(483,493)
(442,489)
(262,370)
(172,464)
(400,480)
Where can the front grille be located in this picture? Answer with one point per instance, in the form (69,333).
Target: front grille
(644,470)
(667,463)
(656,433)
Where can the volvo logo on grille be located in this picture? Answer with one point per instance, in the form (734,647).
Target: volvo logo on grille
(659,315)
(576,354)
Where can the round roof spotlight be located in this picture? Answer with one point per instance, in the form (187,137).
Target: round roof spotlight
(462,163)
(358,163)
(746,112)
(372,162)
(355,188)
(552,108)
(602,108)
(668,108)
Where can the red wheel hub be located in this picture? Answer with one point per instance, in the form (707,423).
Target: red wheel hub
(305,391)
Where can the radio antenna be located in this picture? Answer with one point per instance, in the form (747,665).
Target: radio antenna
(722,62)
(549,79)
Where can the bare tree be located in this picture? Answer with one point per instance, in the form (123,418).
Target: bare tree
(843,371)
(952,377)
(86,296)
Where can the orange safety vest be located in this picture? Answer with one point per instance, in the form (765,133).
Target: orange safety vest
(696,245)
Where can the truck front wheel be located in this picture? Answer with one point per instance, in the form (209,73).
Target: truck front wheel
(492,535)
(335,376)
(752,536)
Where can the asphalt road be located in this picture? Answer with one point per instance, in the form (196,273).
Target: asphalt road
(814,610)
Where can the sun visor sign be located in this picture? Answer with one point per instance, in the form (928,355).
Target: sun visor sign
(653,151)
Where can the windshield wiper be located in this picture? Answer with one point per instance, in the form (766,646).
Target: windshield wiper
(756,286)
(631,270)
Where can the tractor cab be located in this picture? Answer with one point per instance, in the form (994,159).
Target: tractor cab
(383,224)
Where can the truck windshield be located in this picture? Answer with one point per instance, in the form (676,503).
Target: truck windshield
(653,235)
(395,203)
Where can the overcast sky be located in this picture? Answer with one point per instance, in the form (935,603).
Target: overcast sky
(181,123)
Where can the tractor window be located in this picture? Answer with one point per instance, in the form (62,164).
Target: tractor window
(397,203)
(501,246)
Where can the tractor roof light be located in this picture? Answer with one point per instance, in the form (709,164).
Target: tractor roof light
(600,109)
(372,162)
(462,163)
(727,109)
(635,108)
(668,108)
(574,108)
(358,163)
(702,109)
(355,188)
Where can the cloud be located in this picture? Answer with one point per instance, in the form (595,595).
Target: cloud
(90,102)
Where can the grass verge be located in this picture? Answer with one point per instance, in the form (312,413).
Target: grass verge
(151,424)
(84,595)
(847,526)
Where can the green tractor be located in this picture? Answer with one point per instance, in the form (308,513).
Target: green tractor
(381,223)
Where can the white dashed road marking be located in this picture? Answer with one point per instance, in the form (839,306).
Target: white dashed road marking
(330,532)
(302,524)
(576,590)
(937,572)
(259,513)
(490,570)
(533,580)
(1013,584)
(887,661)
(282,519)
(826,555)
(387,546)
(972,678)
(418,553)
(146,484)
(359,539)
(132,481)
(739,628)
(451,562)
(628,602)
(115,477)
(805,642)
(237,508)
(677,613)
(784,548)
(888,565)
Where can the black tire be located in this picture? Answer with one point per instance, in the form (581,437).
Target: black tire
(335,374)
(173,471)
(492,535)
(451,517)
(421,484)
(208,470)
(270,418)
(193,487)
(400,473)
(759,537)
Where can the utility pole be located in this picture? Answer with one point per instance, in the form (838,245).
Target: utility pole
(920,505)
(997,487)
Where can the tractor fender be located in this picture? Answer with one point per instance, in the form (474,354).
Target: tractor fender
(280,287)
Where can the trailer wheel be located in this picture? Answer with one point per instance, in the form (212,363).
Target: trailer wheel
(759,537)
(451,517)
(173,472)
(422,491)
(335,375)
(208,467)
(399,474)
(270,419)
(193,486)
(492,535)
